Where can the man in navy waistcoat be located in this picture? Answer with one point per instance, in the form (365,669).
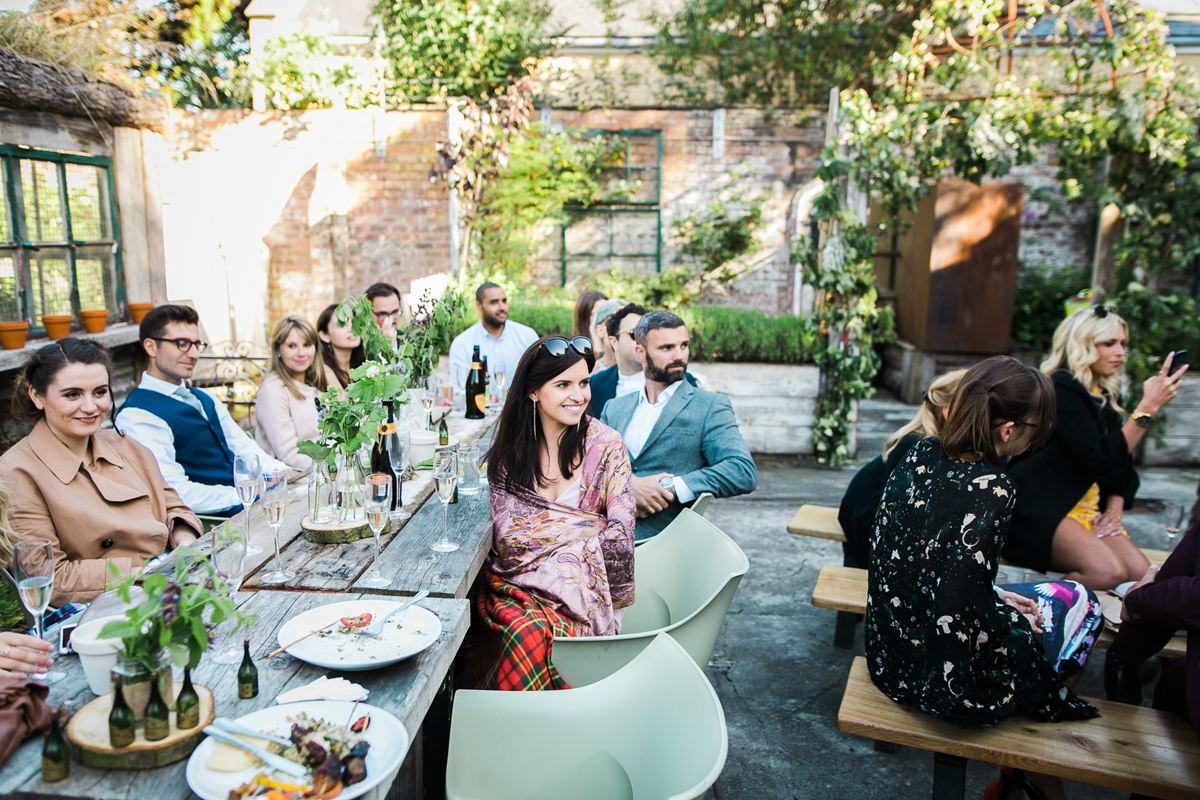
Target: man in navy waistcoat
(191,435)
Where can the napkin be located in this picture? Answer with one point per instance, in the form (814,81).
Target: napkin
(23,710)
(324,689)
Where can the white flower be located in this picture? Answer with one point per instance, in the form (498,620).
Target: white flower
(372,371)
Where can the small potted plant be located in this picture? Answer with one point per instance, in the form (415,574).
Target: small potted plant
(13,333)
(57,325)
(93,319)
(173,626)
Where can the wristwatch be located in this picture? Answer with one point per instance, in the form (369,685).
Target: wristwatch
(668,483)
(1143,418)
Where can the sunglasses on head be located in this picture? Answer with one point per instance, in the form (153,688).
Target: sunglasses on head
(582,345)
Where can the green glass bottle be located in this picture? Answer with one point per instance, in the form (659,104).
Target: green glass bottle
(443,433)
(120,719)
(247,676)
(157,716)
(56,756)
(187,703)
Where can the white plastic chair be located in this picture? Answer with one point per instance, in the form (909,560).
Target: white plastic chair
(654,730)
(684,580)
(701,503)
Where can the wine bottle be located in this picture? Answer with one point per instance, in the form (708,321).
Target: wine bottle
(380,463)
(157,716)
(187,703)
(487,382)
(476,389)
(56,756)
(120,719)
(247,676)
(443,433)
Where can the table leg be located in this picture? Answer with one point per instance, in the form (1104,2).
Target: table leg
(437,740)
(949,777)
(843,632)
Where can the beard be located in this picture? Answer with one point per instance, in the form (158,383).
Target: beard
(671,372)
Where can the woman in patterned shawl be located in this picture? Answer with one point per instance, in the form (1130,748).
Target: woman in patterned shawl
(563,517)
(939,635)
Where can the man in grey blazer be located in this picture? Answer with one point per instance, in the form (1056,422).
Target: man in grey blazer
(682,441)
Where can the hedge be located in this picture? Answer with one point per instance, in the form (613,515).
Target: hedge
(717,333)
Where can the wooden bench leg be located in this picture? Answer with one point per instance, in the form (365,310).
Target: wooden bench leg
(843,632)
(949,777)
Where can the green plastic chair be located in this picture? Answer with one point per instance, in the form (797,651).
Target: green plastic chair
(651,731)
(684,579)
(701,503)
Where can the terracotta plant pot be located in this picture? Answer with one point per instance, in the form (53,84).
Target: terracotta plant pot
(57,325)
(12,334)
(138,310)
(94,319)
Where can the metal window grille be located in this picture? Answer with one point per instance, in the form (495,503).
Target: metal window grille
(623,231)
(59,242)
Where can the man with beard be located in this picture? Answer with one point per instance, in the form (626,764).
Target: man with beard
(501,341)
(682,441)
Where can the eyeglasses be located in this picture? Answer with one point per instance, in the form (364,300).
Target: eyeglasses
(382,315)
(185,345)
(1101,311)
(582,345)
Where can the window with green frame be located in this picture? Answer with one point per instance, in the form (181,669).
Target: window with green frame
(623,232)
(59,235)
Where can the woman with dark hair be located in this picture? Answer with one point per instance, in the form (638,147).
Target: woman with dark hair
(285,411)
(563,514)
(341,349)
(940,636)
(97,495)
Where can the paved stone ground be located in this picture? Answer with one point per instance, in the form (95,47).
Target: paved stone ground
(779,677)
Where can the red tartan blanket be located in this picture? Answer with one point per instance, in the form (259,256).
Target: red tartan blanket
(512,632)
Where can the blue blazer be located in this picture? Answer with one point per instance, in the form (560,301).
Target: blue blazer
(604,388)
(695,438)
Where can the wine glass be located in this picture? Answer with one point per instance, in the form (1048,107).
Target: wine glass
(379,500)
(445,477)
(498,378)
(33,568)
(430,387)
(397,444)
(229,562)
(247,473)
(274,503)
(1173,513)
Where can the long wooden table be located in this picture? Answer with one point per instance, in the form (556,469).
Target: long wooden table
(407,690)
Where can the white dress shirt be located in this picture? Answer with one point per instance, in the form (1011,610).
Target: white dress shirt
(153,432)
(645,417)
(503,353)
(628,384)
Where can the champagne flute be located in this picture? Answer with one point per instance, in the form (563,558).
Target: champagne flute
(498,378)
(379,500)
(445,477)
(274,503)
(430,385)
(397,444)
(247,473)
(1174,521)
(229,562)
(33,568)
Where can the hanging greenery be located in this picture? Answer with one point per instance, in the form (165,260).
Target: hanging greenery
(974,90)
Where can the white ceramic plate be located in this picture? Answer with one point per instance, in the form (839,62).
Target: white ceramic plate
(1123,589)
(404,636)
(385,734)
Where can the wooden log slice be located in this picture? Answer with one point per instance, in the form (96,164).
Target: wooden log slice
(334,532)
(88,734)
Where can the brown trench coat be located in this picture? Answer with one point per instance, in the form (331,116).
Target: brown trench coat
(118,508)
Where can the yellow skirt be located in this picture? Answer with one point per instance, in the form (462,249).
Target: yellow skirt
(1087,510)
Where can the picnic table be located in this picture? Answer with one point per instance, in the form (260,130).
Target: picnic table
(407,690)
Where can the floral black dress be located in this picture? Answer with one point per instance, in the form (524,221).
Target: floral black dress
(938,636)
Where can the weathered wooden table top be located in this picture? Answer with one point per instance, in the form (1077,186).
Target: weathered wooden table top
(405,689)
(336,567)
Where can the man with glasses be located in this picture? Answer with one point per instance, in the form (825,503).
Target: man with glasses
(500,340)
(681,441)
(191,435)
(385,305)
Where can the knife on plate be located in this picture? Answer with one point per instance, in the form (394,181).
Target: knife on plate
(270,759)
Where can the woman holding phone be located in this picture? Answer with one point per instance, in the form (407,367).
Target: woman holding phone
(1072,495)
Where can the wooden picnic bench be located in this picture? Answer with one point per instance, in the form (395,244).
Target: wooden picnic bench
(1128,748)
(844,589)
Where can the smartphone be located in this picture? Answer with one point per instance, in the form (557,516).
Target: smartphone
(65,630)
(1180,360)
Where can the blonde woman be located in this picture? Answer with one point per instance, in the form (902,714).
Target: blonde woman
(286,408)
(857,513)
(19,654)
(1071,495)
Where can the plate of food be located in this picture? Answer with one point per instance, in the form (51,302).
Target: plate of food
(339,645)
(339,765)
